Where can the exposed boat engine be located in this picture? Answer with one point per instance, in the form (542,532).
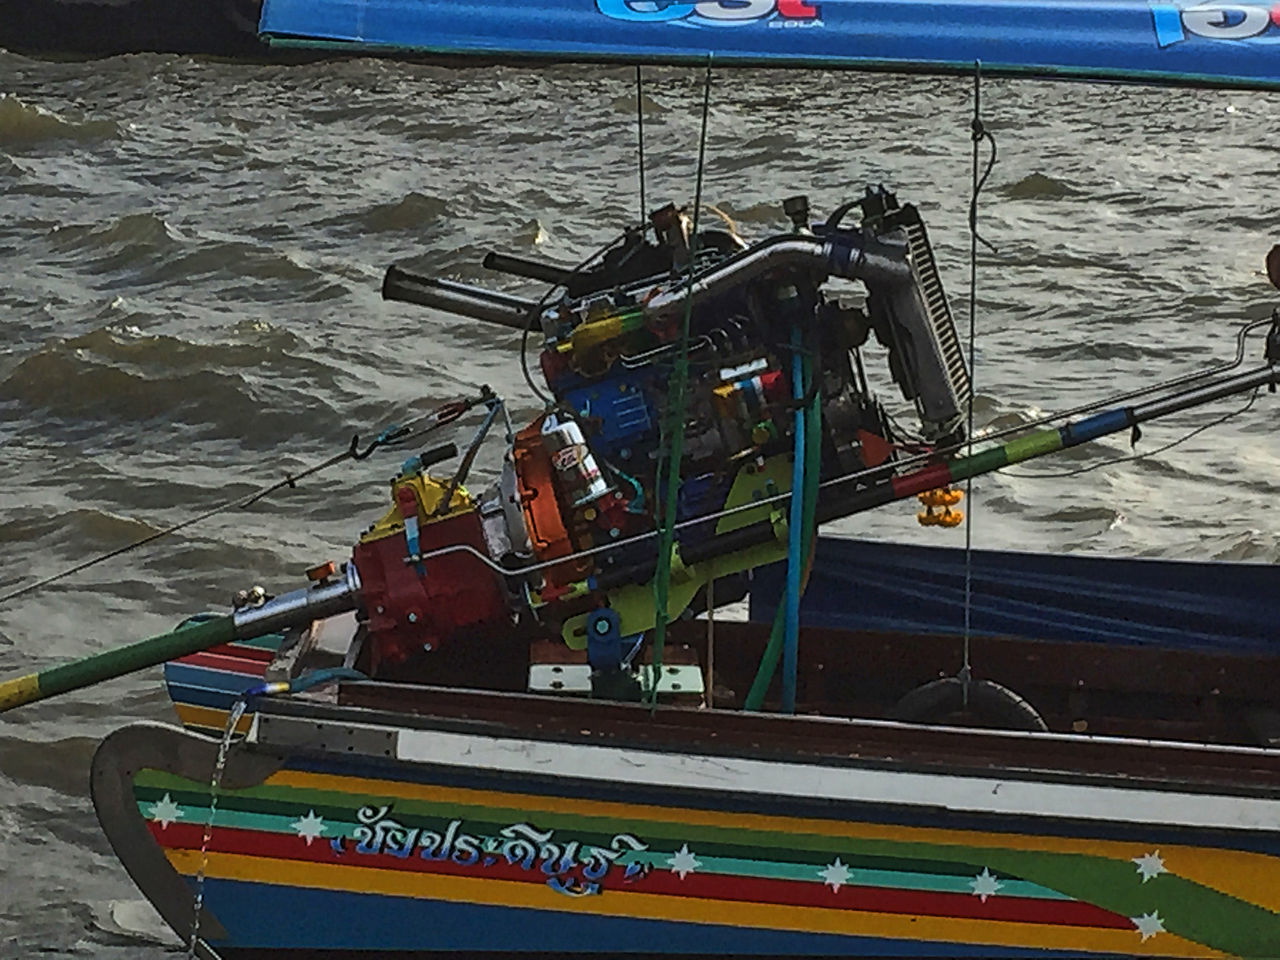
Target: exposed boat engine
(569,526)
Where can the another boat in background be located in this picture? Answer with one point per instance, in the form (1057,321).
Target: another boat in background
(91,28)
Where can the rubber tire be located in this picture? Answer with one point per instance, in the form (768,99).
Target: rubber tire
(989,701)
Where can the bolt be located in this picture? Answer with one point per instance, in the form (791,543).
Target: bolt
(427,647)
(381,609)
(413,618)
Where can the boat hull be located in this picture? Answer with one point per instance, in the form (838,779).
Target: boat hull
(340,832)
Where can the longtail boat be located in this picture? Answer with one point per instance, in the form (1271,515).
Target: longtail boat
(513,721)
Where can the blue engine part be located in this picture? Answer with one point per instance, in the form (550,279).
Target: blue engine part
(618,410)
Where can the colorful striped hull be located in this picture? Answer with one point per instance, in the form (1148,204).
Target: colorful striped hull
(419,841)
(204,685)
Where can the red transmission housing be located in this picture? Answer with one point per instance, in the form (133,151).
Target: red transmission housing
(417,606)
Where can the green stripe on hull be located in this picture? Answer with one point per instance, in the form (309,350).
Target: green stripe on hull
(1187,909)
(585,829)
(341,822)
(811,873)
(911,877)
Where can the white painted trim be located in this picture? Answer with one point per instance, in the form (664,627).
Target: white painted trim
(965,794)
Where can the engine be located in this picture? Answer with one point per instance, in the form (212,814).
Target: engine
(568,531)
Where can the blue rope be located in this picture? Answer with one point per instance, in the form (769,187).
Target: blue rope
(316,678)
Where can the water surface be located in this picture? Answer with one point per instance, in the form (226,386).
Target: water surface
(193,251)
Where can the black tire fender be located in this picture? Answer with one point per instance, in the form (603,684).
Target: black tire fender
(989,701)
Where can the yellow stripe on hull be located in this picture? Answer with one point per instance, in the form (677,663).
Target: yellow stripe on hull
(615,903)
(209,718)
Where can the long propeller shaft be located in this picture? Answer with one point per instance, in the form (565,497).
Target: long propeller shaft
(296,609)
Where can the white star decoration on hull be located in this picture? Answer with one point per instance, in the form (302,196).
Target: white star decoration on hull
(835,875)
(1149,865)
(164,812)
(1149,924)
(683,862)
(985,885)
(309,827)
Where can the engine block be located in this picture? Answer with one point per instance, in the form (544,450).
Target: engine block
(571,522)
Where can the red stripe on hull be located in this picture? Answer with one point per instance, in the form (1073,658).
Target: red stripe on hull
(242,652)
(698,886)
(214,661)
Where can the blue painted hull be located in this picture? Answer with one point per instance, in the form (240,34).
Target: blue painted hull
(346,924)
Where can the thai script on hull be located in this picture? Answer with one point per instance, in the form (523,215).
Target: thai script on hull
(571,867)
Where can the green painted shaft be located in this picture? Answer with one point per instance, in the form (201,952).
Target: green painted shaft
(87,671)
(985,461)
(1038,444)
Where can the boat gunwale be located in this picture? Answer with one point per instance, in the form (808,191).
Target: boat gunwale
(827,741)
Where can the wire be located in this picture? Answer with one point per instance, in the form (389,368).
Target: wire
(392,436)
(241,502)
(676,414)
(1137,456)
(979,134)
(644,207)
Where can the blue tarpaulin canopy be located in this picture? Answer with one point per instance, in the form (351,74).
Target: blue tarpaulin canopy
(1185,42)
(858,585)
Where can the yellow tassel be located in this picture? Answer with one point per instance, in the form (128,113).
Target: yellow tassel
(944,498)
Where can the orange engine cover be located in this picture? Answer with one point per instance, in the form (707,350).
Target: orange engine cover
(548,534)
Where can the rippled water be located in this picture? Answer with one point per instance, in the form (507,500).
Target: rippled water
(193,250)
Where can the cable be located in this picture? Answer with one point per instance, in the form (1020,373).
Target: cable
(1137,456)
(980,133)
(392,436)
(644,208)
(676,414)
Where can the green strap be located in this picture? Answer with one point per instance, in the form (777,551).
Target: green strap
(675,422)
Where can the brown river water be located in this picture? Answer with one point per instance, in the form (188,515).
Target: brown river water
(192,252)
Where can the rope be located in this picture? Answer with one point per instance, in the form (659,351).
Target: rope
(644,206)
(392,436)
(676,412)
(1134,458)
(536,312)
(979,133)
